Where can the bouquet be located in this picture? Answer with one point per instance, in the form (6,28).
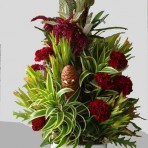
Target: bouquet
(77,94)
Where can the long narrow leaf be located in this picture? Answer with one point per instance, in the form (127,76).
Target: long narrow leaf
(51,122)
(37,114)
(83,76)
(97,17)
(63,91)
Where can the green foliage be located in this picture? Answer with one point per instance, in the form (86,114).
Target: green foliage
(124,142)
(117,124)
(98,19)
(62,56)
(82,4)
(62,50)
(97,57)
(66,8)
(50,102)
(68,119)
(62,122)
(24,115)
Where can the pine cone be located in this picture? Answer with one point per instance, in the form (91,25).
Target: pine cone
(70,79)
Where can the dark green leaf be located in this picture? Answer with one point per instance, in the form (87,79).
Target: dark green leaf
(45,142)
(89,145)
(124,142)
(97,17)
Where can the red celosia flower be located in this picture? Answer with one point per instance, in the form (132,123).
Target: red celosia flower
(64,28)
(118,60)
(47,27)
(43,53)
(39,17)
(103,80)
(36,67)
(122,84)
(100,110)
(38,123)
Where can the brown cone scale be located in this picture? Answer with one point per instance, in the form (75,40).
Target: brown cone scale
(70,79)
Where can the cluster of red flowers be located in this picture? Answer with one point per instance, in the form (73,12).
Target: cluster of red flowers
(67,29)
(38,123)
(118,60)
(64,28)
(119,83)
(43,53)
(100,110)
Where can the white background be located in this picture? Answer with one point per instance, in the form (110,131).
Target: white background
(19,40)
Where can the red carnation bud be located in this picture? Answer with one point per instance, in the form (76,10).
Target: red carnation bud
(123,84)
(103,80)
(100,110)
(118,60)
(43,53)
(39,17)
(36,67)
(38,123)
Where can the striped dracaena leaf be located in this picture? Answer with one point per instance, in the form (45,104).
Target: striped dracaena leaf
(39,113)
(50,124)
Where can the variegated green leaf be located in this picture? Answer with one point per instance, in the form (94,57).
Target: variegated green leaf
(63,130)
(109,70)
(63,142)
(63,91)
(49,83)
(50,124)
(60,119)
(50,111)
(83,76)
(39,113)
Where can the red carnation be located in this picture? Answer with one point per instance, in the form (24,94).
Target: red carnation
(118,60)
(103,80)
(64,28)
(123,84)
(38,123)
(43,53)
(36,67)
(100,110)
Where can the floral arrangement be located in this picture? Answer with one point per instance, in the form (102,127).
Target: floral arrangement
(77,94)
